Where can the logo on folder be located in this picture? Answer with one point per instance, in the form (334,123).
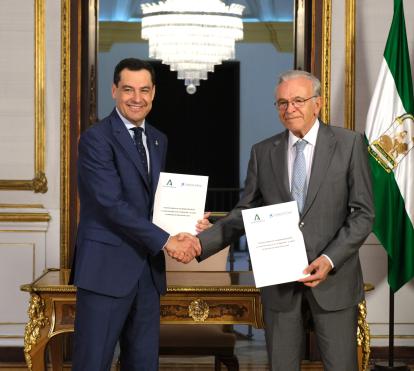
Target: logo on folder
(257,219)
(169,184)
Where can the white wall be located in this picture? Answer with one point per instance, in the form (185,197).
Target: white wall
(373,20)
(26,249)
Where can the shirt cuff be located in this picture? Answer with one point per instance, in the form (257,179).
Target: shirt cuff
(330,261)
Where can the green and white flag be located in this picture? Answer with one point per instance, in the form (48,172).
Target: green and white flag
(390,133)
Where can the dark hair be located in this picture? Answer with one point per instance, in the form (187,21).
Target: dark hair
(132,64)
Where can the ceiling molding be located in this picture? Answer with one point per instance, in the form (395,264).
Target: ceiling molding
(279,34)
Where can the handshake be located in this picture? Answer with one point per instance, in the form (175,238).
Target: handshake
(184,247)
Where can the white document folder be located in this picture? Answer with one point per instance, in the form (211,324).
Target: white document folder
(276,245)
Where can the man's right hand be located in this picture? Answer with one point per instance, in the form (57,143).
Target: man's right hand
(183,247)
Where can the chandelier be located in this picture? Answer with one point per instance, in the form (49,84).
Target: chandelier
(192,36)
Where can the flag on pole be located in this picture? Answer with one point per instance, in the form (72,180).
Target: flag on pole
(390,134)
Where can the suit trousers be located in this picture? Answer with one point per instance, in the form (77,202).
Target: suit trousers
(102,320)
(335,334)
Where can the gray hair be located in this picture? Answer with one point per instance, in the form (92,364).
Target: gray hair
(293,74)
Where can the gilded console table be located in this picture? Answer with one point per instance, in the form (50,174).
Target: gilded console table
(194,298)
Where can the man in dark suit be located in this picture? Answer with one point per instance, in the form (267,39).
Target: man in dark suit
(119,266)
(336,216)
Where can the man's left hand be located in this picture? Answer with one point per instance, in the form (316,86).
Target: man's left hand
(318,271)
(204,223)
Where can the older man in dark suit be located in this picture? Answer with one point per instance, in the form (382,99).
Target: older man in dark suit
(119,266)
(325,169)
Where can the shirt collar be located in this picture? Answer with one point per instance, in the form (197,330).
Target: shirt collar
(129,125)
(310,136)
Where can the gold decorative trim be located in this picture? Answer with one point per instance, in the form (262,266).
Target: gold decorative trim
(326,61)
(395,323)
(212,290)
(395,336)
(350,64)
(24,217)
(280,34)
(363,334)
(65,133)
(37,320)
(18,230)
(69,288)
(39,183)
(30,288)
(21,206)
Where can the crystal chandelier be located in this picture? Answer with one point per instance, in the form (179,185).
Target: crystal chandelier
(192,36)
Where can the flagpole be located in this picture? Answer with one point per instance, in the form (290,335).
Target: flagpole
(391,366)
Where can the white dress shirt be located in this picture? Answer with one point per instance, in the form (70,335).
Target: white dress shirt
(129,125)
(311,137)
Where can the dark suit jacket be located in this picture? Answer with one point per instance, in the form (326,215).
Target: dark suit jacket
(337,216)
(115,233)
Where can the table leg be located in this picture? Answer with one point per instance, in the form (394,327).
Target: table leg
(363,337)
(34,342)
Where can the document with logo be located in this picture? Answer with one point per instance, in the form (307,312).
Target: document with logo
(179,202)
(276,245)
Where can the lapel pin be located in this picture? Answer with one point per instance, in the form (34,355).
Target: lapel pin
(156,143)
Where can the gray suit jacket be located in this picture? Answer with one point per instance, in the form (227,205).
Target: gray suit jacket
(337,216)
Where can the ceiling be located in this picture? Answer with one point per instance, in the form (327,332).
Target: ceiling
(255,10)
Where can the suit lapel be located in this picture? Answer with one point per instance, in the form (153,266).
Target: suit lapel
(278,158)
(124,138)
(325,146)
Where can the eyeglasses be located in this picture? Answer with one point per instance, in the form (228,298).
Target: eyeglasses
(297,102)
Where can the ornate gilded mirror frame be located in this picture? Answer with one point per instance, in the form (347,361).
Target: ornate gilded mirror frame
(39,183)
(70,92)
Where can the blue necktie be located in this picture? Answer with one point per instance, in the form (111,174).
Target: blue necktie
(140,146)
(299,175)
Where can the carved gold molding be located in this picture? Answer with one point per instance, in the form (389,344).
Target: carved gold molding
(21,206)
(280,34)
(350,64)
(24,217)
(7,214)
(65,133)
(363,334)
(198,310)
(39,183)
(326,60)
(37,320)
(395,336)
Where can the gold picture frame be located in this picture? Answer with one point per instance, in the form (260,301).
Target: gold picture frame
(39,183)
(349,113)
(65,135)
(326,60)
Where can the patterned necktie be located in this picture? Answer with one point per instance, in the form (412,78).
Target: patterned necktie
(299,175)
(140,146)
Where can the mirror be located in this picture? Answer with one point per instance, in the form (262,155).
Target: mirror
(265,51)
